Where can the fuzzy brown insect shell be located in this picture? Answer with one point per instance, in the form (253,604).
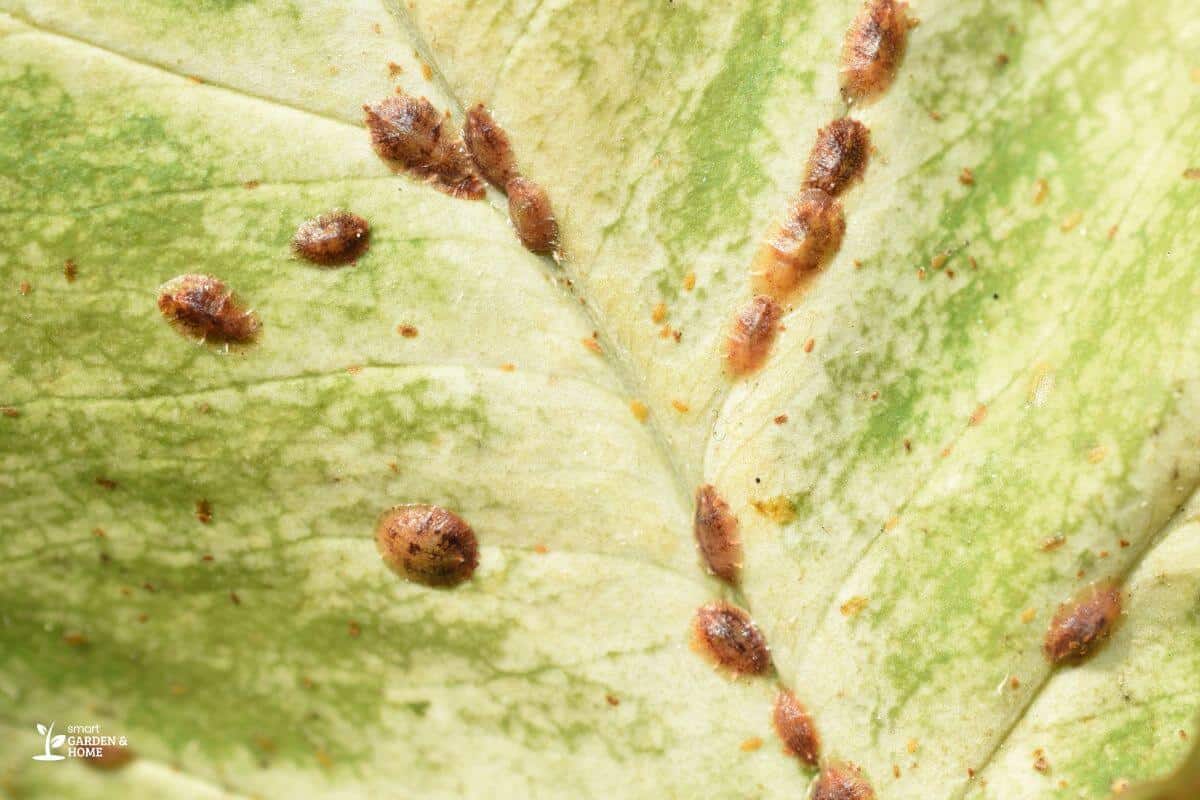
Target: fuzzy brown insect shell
(800,245)
(412,133)
(842,780)
(716,531)
(332,239)
(204,308)
(752,335)
(727,636)
(796,728)
(1083,623)
(873,49)
(427,544)
(839,156)
(532,217)
(489,146)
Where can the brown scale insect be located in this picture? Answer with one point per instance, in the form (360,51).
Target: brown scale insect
(842,780)
(204,308)
(1081,624)
(873,50)
(753,333)
(799,246)
(332,239)
(716,530)
(726,635)
(532,217)
(796,729)
(839,156)
(489,146)
(427,544)
(411,132)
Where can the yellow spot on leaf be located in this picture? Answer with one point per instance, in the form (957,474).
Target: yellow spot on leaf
(1040,190)
(854,606)
(751,744)
(639,410)
(780,510)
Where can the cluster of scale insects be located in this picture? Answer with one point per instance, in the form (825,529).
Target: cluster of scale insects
(433,546)
(414,136)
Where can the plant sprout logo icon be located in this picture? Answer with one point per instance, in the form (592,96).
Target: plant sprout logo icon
(56,741)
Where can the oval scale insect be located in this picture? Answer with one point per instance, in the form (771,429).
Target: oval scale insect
(204,308)
(796,729)
(411,132)
(754,330)
(532,217)
(727,636)
(839,156)
(332,239)
(489,146)
(1083,623)
(873,49)
(427,544)
(716,530)
(799,246)
(842,780)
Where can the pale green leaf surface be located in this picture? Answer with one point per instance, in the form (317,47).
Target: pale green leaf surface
(669,136)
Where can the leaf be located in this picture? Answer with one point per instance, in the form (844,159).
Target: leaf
(41,729)
(58,741)
(988,399)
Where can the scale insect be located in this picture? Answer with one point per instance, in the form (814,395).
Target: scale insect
(799,246)
(427,544)
(412,133)
(333,239)
(203,308)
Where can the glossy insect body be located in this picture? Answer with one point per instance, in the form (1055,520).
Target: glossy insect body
(427,544)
